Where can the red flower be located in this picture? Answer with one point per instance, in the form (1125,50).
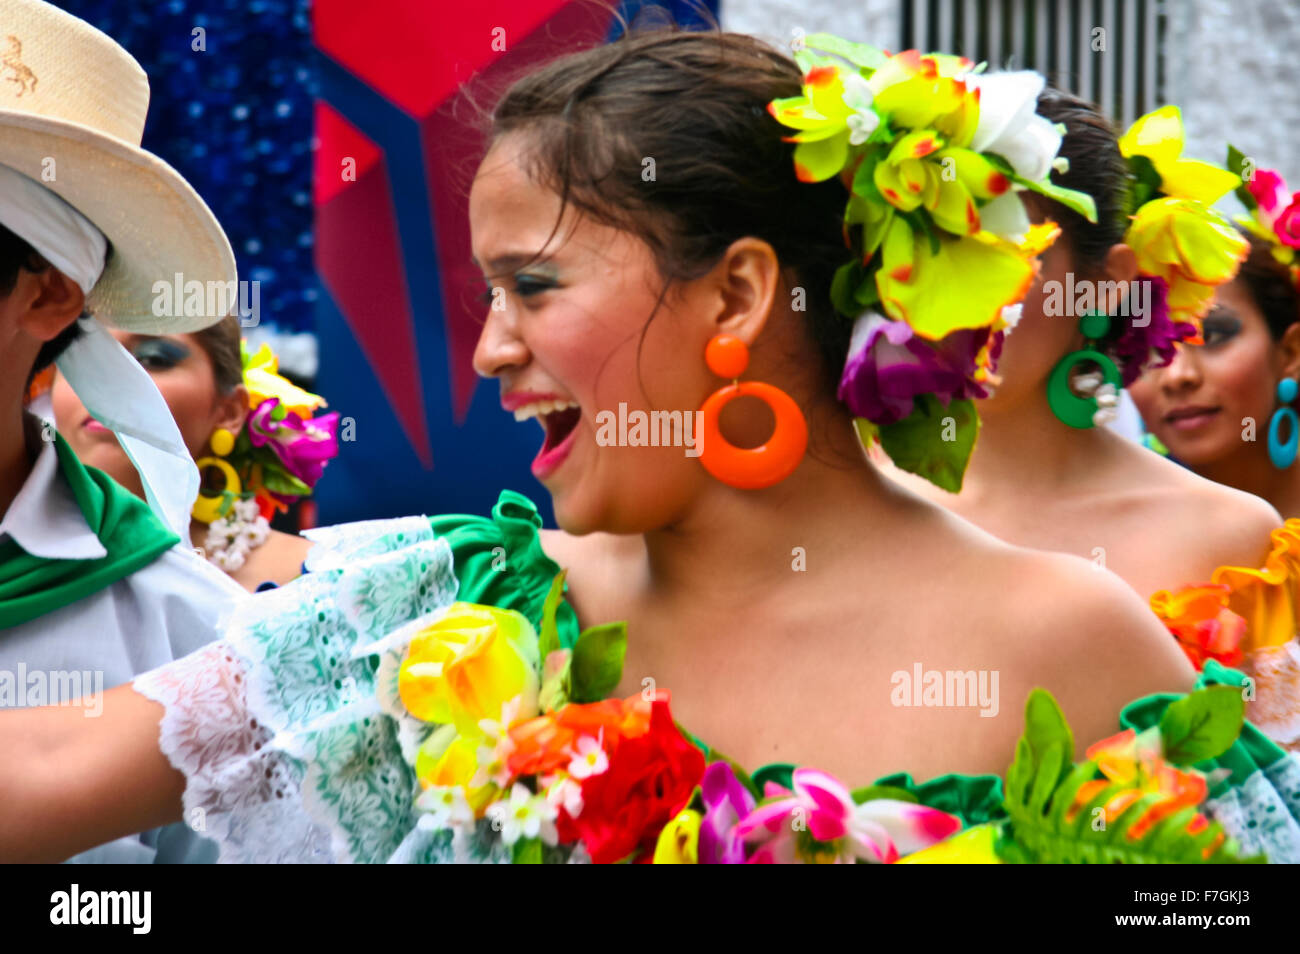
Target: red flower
(650,779)
(1287,224)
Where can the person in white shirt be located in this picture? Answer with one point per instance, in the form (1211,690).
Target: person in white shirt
(96,585)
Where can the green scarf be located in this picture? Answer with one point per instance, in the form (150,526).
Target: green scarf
(32,586)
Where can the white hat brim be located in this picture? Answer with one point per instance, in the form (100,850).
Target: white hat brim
(157,224)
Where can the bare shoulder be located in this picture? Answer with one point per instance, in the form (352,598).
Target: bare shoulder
(1228,525)
(1084,635)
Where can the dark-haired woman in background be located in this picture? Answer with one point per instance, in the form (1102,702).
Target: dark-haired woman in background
(1222,409)
(1038,480)
(225,404)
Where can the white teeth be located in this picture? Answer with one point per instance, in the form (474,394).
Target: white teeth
(538,408)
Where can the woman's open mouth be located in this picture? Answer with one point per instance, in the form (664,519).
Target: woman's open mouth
(559,419)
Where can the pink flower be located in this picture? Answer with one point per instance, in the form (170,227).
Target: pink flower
(818,822)
(1268,190)
(304,447)
(1287,224)
(726,801)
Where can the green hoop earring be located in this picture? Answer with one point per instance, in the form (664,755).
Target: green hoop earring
(1086,400)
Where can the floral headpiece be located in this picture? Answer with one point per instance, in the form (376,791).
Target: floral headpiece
(1173,230)
(1274,212)
(934,153)
(282,449)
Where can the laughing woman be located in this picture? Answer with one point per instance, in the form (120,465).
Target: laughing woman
(780,592)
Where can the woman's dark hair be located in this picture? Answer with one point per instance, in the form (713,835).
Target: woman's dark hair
(221,344)
(1271,287)
(15,254)
(1096,167)
(666,134)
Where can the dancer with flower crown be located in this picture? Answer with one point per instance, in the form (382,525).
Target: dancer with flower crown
(1221,408)
(1130,287)
(242,420)
(439,689)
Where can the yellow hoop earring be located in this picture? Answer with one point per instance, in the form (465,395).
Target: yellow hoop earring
(222,441)
(208,509)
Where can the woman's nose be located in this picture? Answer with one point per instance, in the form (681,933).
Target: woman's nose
(1184,372)
(499,347)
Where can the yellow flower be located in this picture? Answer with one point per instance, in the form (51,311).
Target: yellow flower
(964,284)
(464,667)
(974,846)
(1190,246)
(1159,137)
(679,842)
(448,759)
(263,380)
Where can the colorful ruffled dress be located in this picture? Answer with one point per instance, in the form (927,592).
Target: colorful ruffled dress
(1249,619)
(311,733)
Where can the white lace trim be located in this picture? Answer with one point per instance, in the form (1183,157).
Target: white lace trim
(1263,814)
(277,727)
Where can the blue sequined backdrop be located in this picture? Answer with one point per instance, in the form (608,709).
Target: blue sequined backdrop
(235,120)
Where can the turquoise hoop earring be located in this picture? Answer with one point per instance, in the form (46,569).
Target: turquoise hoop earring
(1283,455)
(1096,405)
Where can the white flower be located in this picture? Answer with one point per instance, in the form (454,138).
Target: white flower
(525,815)
(1011,315)
(445,806)
(1009,125)
(566,794)
(589,758)
(1005,217)
(255,534)
(864,120)
(247,510)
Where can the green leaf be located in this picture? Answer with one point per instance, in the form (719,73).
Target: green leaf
(867,431)
(916,444)
(549,639)
(527,851)
(597,664)
(1236,163)
(1202,725)
(864,178)
(1080,202)
(1041,787)
(843,286)
(281,481)
(1148,181)
(872,792)
(859,54)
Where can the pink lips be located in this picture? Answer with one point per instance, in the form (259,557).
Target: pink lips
(92,425)
(1190,418)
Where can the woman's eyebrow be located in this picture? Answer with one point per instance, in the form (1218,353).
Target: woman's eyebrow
(509,261)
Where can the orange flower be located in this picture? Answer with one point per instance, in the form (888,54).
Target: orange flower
(1200,620)
(546,744)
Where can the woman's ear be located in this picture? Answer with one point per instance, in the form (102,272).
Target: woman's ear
(745,281)
(1121,264)
(1289,350)
(232,410)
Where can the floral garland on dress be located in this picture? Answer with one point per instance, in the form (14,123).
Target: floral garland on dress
(499,723)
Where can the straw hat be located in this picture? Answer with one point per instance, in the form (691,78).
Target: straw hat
(73,104)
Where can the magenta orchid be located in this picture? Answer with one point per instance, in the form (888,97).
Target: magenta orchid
(726,801)
(889,365)
(819,822)
(1153,343)
(304,447)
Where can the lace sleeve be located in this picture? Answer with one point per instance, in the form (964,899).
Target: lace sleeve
(277,727)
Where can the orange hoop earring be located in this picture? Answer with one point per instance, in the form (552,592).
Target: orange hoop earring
(756,467)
